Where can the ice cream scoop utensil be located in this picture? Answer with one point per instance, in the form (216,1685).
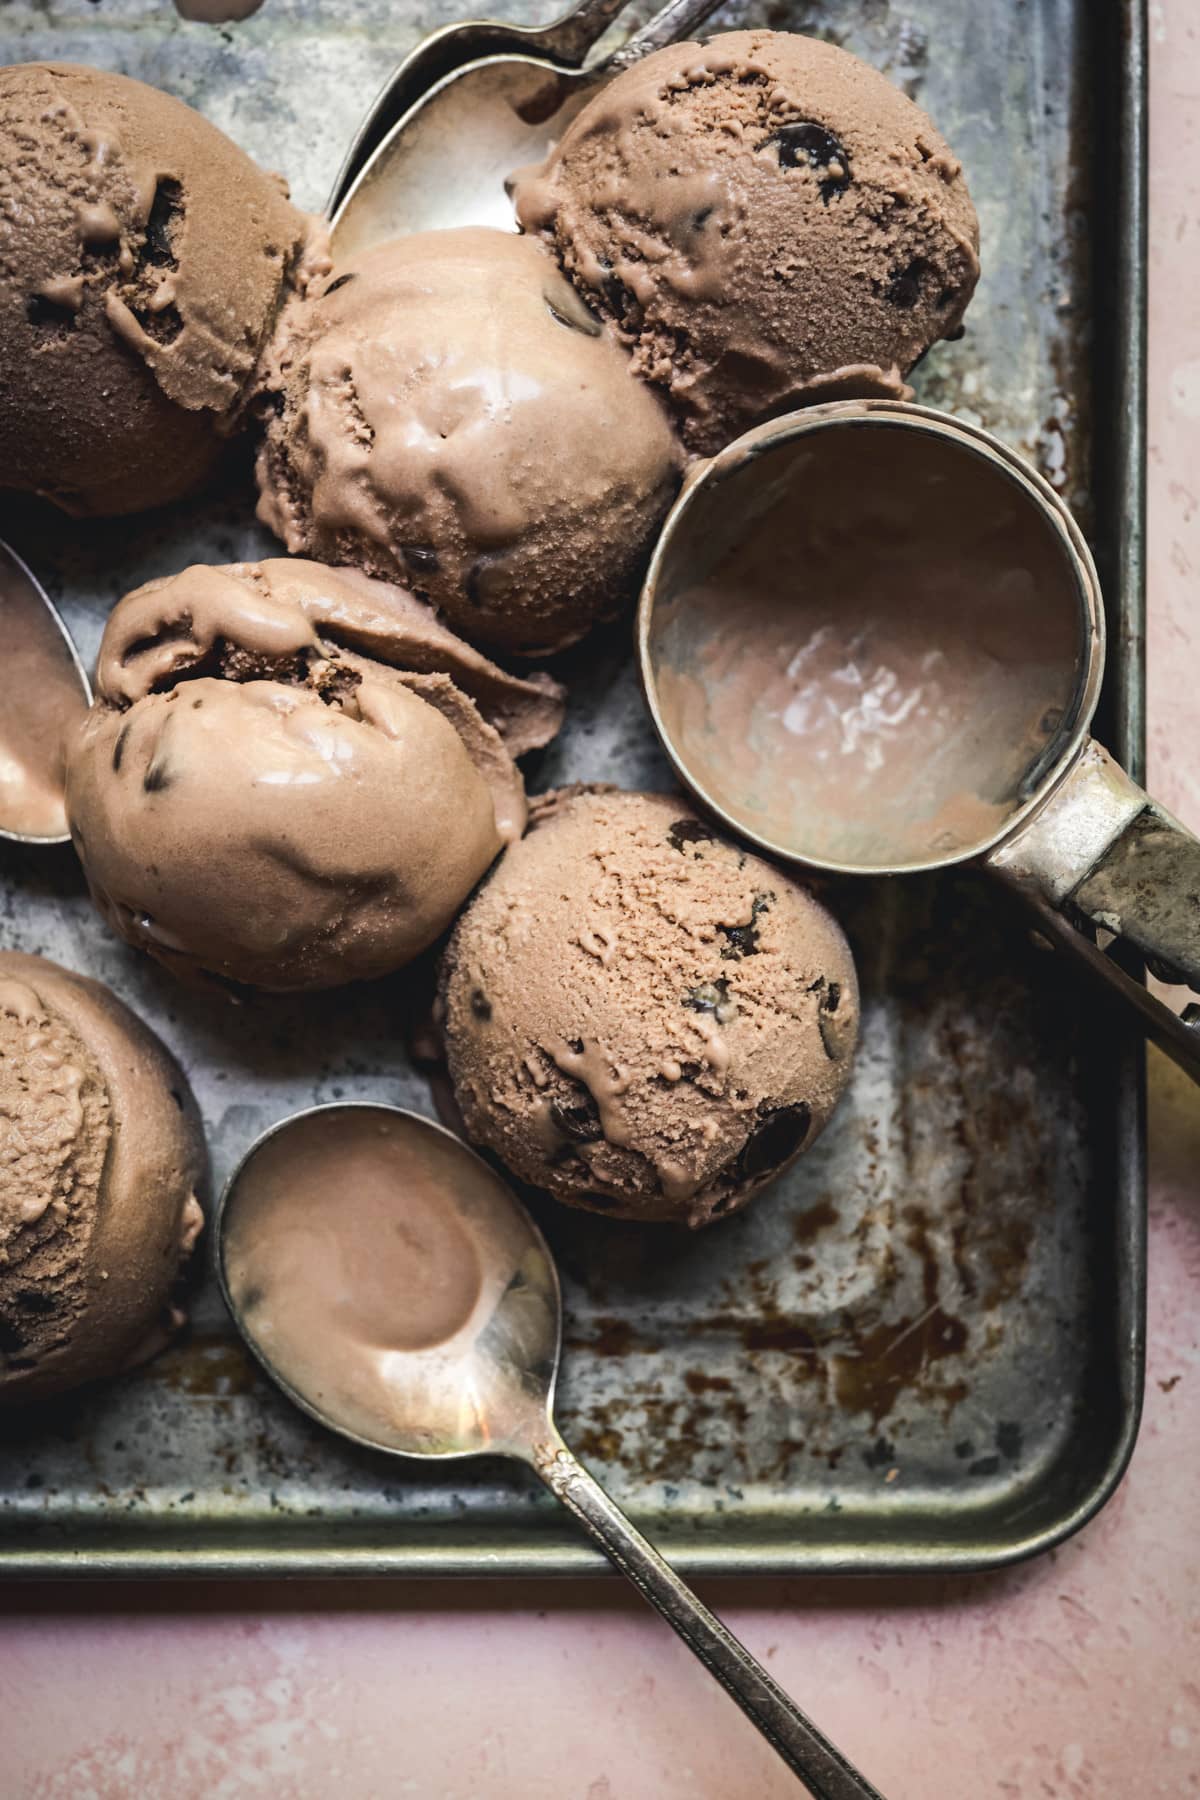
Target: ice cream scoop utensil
(471,104)
(43,693)
(413,1306)
(872,642)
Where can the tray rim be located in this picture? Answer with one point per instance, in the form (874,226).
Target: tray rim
(1120,481)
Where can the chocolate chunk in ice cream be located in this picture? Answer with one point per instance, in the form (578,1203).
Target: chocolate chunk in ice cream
(293,776)
(448,414)
(607,1041)
(765,221)
(101,1157)
(143,257)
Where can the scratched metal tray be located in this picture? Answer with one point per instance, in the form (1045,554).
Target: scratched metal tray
(922,1349)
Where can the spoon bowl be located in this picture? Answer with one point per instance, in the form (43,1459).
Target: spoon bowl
(393,1286)
(567,42)
(44,693)
(446,161)
(472,1370)
(442,140)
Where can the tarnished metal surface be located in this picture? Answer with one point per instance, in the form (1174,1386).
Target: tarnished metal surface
(922,1348)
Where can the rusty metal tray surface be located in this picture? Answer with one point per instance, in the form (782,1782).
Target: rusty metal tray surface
(923,1348)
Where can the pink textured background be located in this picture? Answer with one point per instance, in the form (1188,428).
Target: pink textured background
(1076,1676)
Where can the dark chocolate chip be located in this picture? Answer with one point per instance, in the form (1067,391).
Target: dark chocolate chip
(742,940)
(808,145)
(166,215)
(708,996)
(119,746)
(421,558)
(43,312)
(904,288)
(339,283)
(156,778)
(164,326)
(481,1006)
(700,219)
(779,1135)
(11,1339)
(688,831)
(578,1119)
(621,302)
(34,1300)
(831,999)
(478,573)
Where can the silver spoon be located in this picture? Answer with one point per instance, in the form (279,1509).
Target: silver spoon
(470,106)
(395,1289)
(44,692)
(567,41)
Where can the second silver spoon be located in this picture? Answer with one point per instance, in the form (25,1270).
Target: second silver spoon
(393,1286)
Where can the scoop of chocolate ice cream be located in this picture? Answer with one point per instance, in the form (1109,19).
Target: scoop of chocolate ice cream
(143,257)
(446,412)
(100,1159)
(293,776)
(765,220)
(641,1018)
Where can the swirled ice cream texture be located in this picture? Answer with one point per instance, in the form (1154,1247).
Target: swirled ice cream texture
(641,1018)
(764,220)
(101,1160)
(444,411)
(143,257)
(293,776)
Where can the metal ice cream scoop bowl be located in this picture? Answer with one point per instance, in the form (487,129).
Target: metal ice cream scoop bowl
(872,642)
(393,1286)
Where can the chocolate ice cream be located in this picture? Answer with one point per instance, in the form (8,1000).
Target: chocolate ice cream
(641,1018)
(448,413)
(293,776)
(143,257)
(764,220)
(100,1158)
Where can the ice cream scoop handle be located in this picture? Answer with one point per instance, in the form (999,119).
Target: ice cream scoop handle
(819,1764)
(1107,869)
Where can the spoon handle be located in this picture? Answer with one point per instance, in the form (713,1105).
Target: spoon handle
(818,1763)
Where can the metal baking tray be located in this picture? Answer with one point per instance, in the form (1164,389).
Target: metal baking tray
(922,1349)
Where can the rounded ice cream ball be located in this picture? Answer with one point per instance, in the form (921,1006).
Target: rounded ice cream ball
(640,1017)
(445,411)
(142,260)
(101,1156)
(293,776)
(765,220)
